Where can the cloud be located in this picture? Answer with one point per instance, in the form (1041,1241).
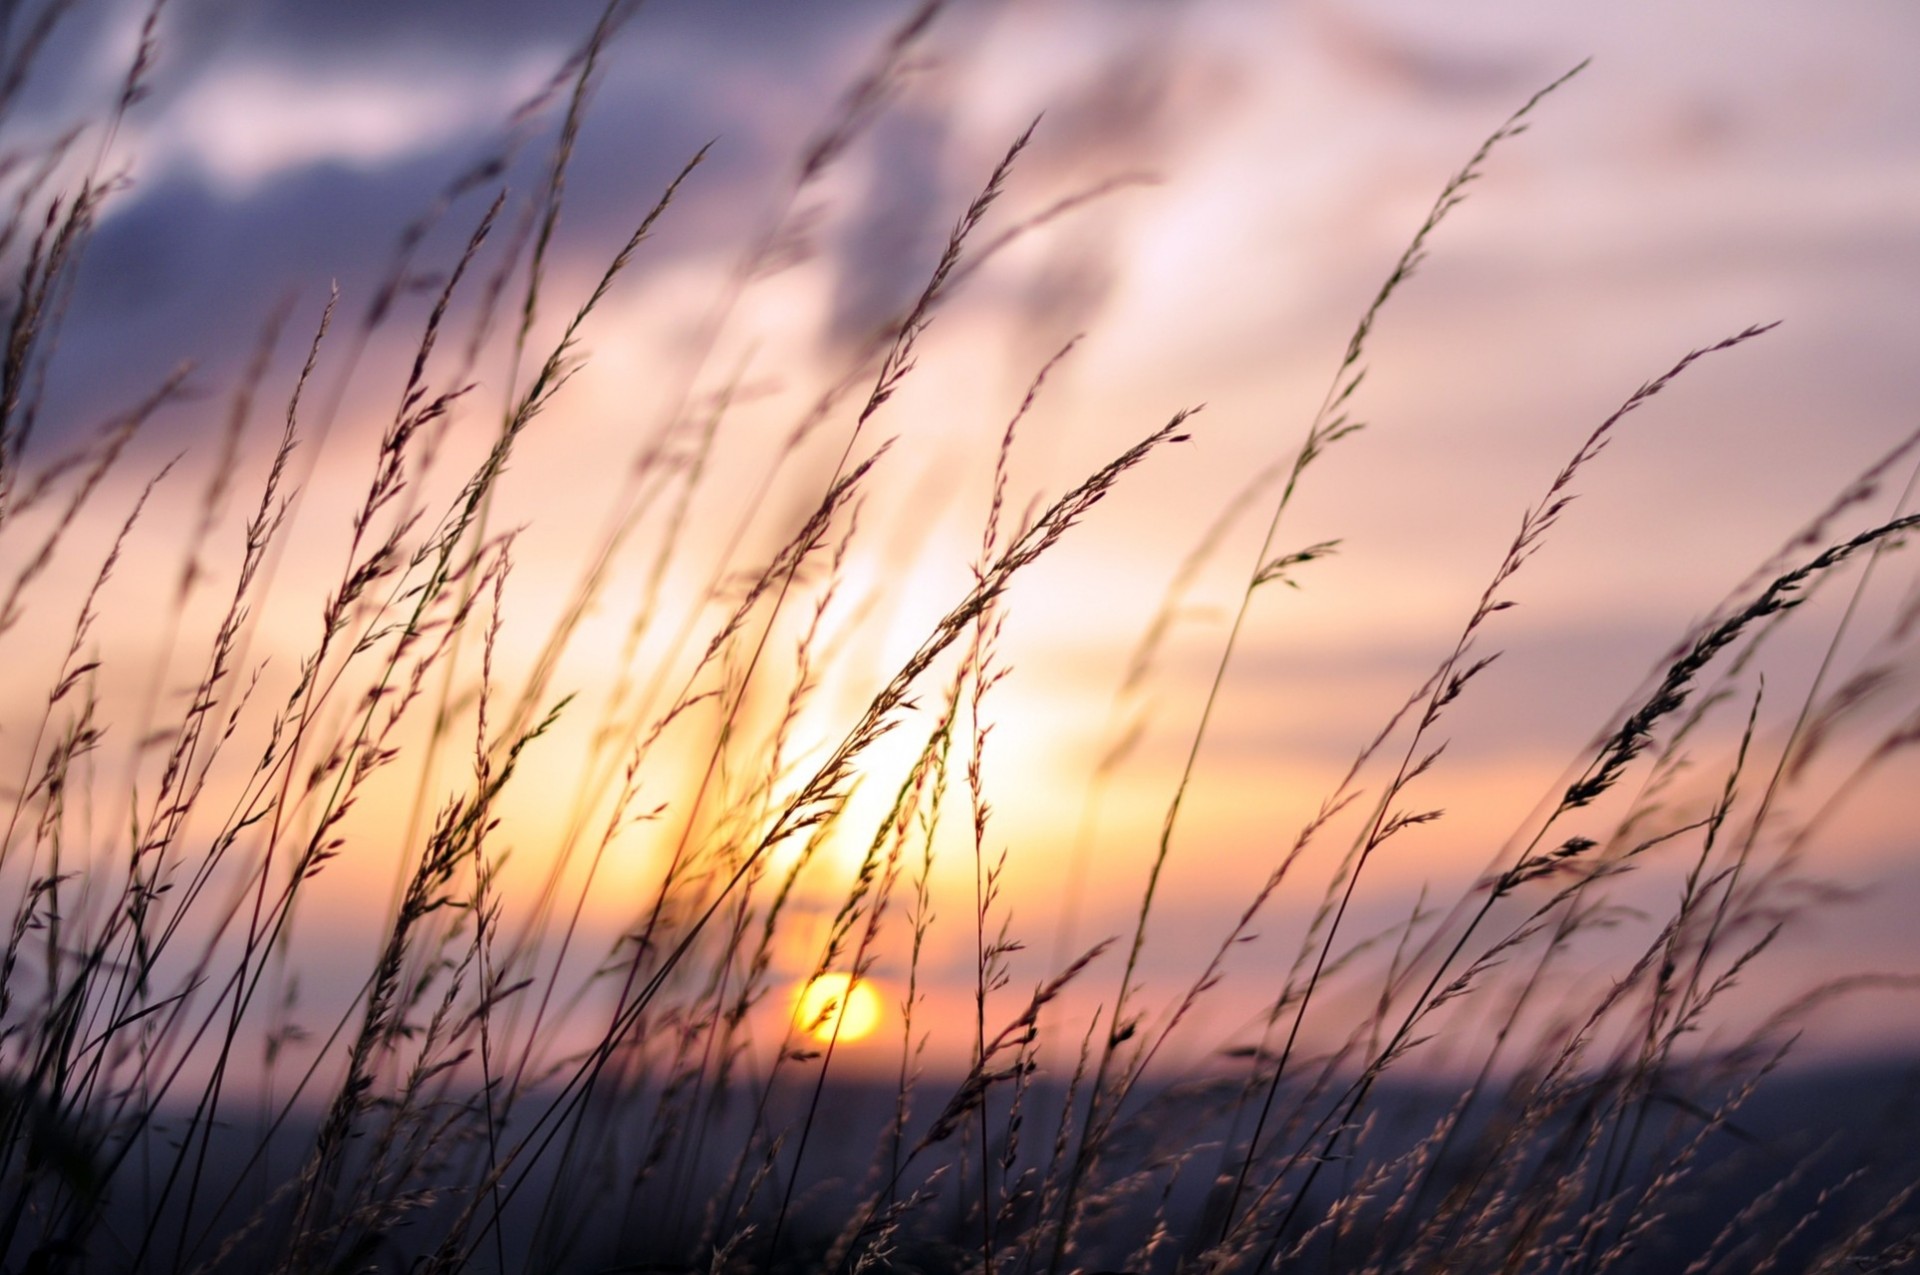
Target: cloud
(246,123)
(1394,59)
(287,146)
(887,248)
(492,29)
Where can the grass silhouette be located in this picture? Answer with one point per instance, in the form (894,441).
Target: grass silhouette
(500,1093)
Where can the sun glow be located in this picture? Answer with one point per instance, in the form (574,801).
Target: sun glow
(836,1006)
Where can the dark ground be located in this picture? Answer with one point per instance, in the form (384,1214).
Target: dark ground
(1801,1135)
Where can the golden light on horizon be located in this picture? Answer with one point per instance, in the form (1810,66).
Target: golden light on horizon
(837,1007)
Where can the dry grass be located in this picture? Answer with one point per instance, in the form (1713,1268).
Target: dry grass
(499,1094)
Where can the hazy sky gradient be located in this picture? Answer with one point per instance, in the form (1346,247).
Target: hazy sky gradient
(1717,165)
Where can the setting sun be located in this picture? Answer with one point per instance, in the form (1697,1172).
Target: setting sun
(836,1006)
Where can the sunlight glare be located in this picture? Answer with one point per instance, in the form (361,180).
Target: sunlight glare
(835,1002)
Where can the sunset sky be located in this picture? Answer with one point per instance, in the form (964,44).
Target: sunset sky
(1717,165)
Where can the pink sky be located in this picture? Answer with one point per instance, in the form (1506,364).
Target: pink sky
(1717,166)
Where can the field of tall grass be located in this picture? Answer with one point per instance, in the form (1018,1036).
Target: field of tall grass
(347,930)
